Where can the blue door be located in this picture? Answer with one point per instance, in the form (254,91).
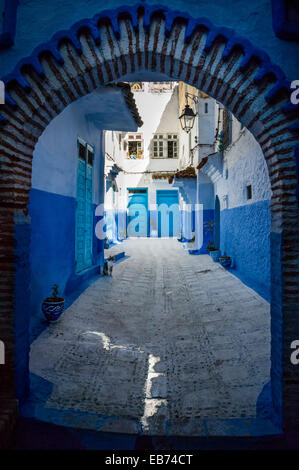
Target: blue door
(168,213)
(84,207)
(137,214)
(217,223)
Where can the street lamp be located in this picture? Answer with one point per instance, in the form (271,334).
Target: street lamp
(188,117)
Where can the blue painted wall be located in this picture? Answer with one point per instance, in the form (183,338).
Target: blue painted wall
(245,223)
(52,255)
(205,197)
(52,245)
(245,236)
(52,210)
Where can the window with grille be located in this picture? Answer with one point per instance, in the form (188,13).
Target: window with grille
(165,146)
(135,146)
(249,192)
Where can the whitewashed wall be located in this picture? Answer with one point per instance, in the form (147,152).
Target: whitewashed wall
(243,165)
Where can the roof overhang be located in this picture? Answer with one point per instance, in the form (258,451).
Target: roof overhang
(111,107)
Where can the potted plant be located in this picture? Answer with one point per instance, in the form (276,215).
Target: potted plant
(213,251)
(225,261)
(53,306)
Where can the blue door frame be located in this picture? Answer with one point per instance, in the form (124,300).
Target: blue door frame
(142,199)
(168,197)
(217,222)
(84,207)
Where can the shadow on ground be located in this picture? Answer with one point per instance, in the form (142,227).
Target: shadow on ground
(35,435)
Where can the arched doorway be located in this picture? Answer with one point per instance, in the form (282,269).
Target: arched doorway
(115,46)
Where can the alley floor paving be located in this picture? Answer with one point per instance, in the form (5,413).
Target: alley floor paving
(168,343)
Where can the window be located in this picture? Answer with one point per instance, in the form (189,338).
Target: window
(81,151)
(158,146)
(89,156)
(160,87)
(206,108)
(137,191)
(85,152)
(135,147)
(165,146)
(249,192)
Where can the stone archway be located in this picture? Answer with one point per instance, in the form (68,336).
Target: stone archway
(114,46)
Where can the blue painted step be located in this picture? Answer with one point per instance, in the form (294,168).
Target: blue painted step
(194,252)
(184,240)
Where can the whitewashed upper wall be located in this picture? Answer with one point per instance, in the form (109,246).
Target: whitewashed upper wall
(55,157)
(244,164)
(159,112)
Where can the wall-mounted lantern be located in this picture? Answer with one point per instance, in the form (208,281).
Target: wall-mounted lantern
(188,117)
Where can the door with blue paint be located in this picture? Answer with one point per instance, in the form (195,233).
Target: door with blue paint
(137,212)
(84,207)
(217,223)
(168,213)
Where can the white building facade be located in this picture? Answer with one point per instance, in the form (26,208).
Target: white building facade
(145,160)
(208,185)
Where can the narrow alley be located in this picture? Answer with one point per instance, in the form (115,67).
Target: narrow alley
(169,340)
(168,133)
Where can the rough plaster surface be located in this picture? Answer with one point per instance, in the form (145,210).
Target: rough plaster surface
(243,161)
(38,20)
(169,341)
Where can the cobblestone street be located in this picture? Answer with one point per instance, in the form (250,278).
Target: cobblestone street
(169,340)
